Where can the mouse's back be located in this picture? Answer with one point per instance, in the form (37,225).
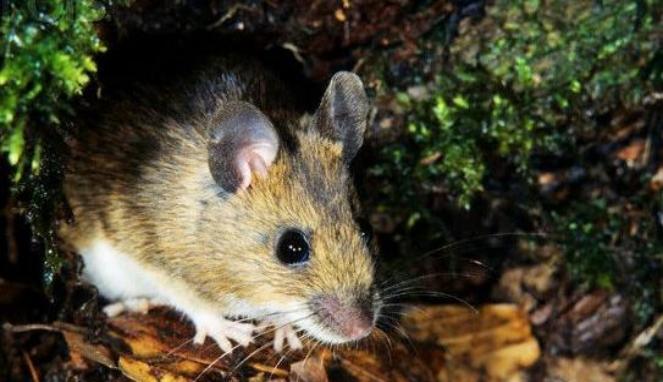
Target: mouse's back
(135,131)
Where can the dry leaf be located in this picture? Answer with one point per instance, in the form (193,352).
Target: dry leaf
(311,369)
(497,339)
(79,348)
(578,370)
(448,343)
(144,372)
(596,321)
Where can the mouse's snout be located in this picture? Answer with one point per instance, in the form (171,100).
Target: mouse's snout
(351,319)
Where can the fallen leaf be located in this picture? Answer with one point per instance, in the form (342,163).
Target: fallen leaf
(446,343)
(595,321)
(311,369)
(79,348)
(497,338)
(578,370)
(144,372)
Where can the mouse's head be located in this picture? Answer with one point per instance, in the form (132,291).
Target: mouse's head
(296,248)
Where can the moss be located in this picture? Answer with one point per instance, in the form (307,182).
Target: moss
(535,82)
(47,57)
(48,50)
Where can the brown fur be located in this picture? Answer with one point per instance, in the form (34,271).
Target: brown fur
(139,177)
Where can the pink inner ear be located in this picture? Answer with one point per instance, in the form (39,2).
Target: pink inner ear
(255,158)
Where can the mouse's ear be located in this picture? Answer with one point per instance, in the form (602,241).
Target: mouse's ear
(242,142)
(342,114)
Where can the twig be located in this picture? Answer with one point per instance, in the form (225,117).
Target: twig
(228,15)
(28,328)
(634,348)
(266,368)
(295,52)
(33,371)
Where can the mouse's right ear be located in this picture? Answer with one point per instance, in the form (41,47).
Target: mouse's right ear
(243,141)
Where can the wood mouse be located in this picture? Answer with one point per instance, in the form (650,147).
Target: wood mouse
(216,196)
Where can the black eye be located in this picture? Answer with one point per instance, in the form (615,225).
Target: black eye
(366,229)
(293,248)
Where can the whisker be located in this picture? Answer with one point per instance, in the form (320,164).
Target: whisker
(387,341)
(299,308)
(313,348)
(268,344)
(283,357)
(258,350)
(177,348)
(427,276)
(400,331)
(308,355)
(242,320)
(361,371)
(208,367)
(482,237)
(436,294)
(459,243)
(396,275)
(403,305)
(239,345)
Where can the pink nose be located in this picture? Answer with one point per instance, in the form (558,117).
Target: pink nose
(352,320)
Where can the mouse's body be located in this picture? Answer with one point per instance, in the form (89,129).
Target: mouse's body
(218,197)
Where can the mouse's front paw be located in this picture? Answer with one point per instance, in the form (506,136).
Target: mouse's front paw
(222,331)
(134,305)
(284,334)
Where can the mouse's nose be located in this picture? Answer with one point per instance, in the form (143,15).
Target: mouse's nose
(352,319)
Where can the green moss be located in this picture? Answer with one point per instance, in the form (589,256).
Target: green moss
(47,56)
(538,77)
(589,230)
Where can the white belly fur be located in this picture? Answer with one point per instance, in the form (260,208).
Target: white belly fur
(116,275)
(119,278)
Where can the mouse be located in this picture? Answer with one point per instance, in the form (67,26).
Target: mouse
(219,197)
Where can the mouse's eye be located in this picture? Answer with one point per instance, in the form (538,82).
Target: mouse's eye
(293,248)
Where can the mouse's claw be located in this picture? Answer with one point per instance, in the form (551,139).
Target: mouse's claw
(222,331)
(284,334)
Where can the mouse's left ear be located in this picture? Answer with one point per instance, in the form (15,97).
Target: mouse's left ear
(343,113)
(243,142)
